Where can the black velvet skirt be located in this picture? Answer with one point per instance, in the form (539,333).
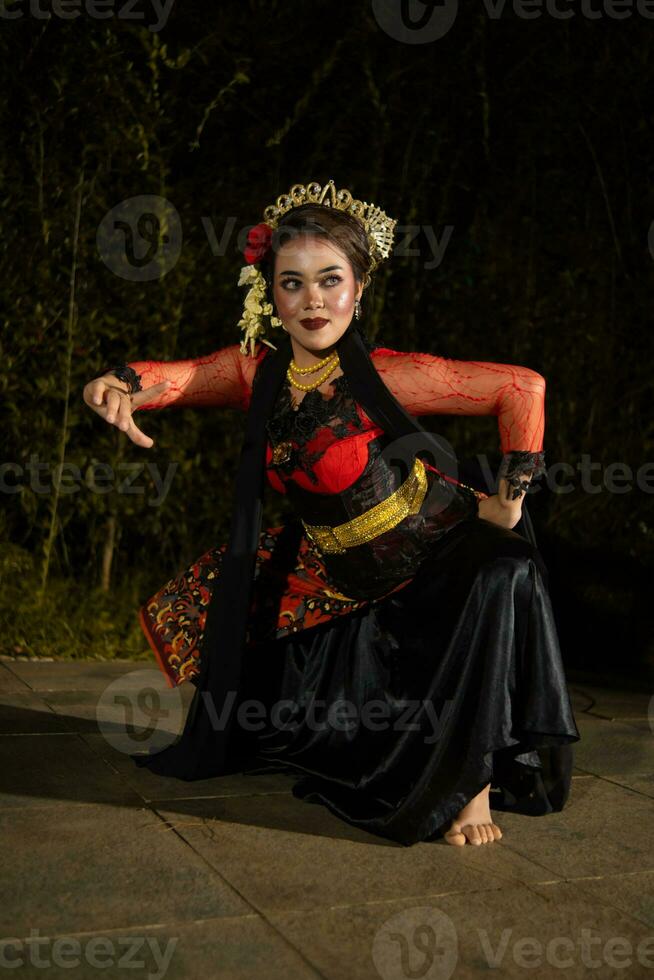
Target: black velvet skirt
(396,715)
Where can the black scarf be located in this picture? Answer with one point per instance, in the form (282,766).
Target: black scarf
(210,744)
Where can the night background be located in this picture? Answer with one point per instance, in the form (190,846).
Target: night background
(522,144)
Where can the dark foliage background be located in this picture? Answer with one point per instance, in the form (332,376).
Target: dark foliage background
(529,139)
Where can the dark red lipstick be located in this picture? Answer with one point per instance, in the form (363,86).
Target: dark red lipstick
(314,323)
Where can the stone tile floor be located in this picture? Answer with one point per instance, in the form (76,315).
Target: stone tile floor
(117,872)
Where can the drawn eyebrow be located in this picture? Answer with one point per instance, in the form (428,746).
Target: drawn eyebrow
(292,272)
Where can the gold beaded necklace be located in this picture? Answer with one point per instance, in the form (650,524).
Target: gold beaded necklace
(313,367)
(332,363)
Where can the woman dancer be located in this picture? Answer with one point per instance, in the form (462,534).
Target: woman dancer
(394,590)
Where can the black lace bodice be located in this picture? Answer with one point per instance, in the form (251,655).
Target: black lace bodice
(300,425)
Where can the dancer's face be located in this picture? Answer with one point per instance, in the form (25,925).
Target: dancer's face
(314,278)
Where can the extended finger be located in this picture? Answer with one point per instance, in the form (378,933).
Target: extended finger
(138,437)
(149,394)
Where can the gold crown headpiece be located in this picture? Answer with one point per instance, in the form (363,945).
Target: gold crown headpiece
(376,223)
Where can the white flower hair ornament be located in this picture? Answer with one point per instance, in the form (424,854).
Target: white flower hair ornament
(256,305)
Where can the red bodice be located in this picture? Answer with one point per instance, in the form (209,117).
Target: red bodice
(337,461)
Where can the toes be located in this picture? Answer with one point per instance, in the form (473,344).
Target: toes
(481,830)
(472,833)
(475,833)
(490,836)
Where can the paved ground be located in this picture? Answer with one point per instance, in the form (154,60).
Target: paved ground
(235,878)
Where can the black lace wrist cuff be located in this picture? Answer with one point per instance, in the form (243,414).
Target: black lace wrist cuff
(519,463)
(127,374)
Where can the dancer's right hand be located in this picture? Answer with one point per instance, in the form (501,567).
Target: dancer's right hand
(499,510)
(109,397)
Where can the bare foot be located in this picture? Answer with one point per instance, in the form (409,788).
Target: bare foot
(473,824)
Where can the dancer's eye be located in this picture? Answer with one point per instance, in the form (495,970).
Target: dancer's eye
(285,282)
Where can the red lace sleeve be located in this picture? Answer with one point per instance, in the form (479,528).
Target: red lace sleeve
(222,379)
(427,384)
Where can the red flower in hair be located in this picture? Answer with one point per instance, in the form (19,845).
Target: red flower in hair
(258,242)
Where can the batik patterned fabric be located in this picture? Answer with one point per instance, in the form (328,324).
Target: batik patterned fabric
(284,602)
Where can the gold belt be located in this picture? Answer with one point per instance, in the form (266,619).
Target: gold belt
(407,499)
